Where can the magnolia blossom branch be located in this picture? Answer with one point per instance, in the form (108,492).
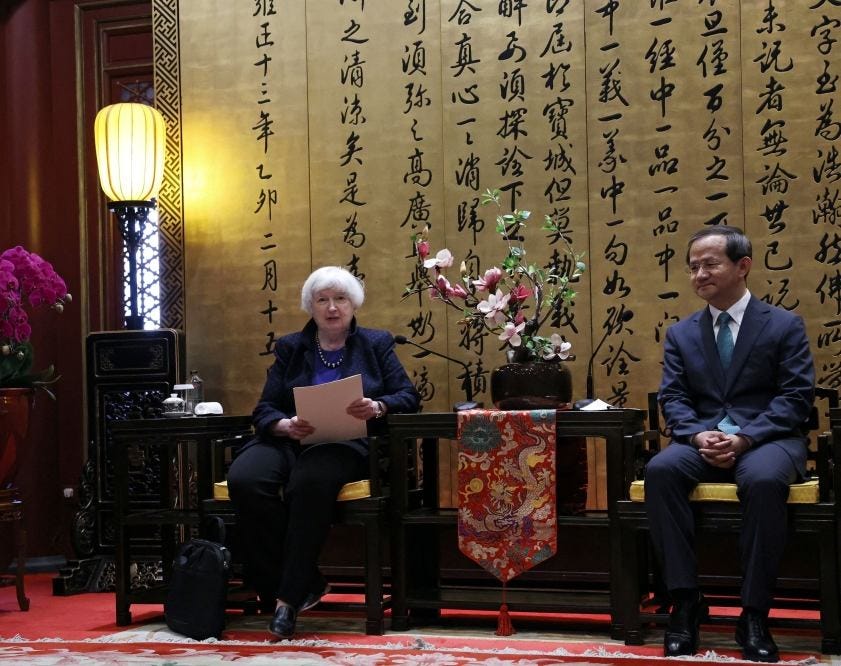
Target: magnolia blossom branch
(512,289)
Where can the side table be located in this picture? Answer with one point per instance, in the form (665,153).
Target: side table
(179,501)
(421,592)
(11,511)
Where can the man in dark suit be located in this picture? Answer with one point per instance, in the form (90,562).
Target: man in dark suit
(738,385)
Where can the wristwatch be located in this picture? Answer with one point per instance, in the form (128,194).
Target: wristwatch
(380,410)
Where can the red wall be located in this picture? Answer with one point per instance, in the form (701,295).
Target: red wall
(41,209)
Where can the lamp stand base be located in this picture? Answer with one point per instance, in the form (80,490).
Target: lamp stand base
(134,323)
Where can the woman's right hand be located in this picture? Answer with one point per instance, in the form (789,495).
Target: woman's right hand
(293,428)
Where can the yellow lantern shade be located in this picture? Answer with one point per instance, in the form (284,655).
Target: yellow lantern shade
(130,151)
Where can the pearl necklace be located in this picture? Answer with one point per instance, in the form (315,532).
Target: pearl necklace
(327,364)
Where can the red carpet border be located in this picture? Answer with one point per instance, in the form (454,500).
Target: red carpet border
(380,651)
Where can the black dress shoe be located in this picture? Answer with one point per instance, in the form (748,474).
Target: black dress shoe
(753,637)
(283,622)
(681,637)
(313,598)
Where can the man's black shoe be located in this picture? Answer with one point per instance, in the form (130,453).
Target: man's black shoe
(283,622)
(681,637)
(313,598)
(753,637)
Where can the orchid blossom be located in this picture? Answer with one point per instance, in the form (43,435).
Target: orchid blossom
(26,281)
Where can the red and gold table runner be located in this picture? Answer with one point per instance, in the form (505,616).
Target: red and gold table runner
(507,516)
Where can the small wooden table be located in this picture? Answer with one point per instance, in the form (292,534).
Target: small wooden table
(419,591)
(179,501)
(11,511)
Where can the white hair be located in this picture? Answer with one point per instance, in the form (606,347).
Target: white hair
(332,277)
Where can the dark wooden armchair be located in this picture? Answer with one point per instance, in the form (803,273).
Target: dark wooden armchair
(361,503)
(814,521)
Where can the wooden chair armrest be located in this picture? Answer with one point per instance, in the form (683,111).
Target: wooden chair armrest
(824,466)
(828,394)
(651,439)
(218,448)
(235,440)
(832,458)
(637,453)
(643,447)
(813,422)
(377,448)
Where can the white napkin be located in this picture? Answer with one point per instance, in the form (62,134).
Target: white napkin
(595,406)
(205,408)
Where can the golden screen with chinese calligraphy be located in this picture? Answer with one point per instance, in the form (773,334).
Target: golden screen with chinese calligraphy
(329,132)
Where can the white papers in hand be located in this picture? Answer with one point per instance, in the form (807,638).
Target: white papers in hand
(324,405)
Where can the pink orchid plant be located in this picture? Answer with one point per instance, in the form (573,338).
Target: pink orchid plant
(26,281)
(512,300)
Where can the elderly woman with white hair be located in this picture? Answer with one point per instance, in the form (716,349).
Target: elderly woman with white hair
(284,493)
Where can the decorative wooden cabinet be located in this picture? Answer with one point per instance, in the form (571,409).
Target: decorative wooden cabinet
(129,374)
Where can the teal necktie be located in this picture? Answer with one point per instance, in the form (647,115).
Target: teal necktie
(724,342)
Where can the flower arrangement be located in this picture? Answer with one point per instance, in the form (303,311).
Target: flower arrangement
(26,280)
(512,300)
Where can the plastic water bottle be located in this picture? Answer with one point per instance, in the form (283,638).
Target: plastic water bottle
(197,393)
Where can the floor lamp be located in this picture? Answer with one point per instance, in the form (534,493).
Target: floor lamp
(130,142)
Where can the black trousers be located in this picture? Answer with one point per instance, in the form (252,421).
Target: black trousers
(285,496)
(762,476)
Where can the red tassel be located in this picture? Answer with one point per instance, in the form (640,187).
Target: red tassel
(503,623)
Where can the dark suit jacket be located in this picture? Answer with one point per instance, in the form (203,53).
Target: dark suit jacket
(368,352)
(768,389)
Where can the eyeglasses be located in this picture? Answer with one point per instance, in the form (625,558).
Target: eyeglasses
(338,301)
(708,266)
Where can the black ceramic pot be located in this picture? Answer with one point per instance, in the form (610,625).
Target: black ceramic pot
(547,385)
(532,385)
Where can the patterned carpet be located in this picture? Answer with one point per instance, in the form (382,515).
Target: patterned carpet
(335,640)
(341,649)
(80,631)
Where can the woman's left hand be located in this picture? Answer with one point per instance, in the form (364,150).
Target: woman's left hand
(363,408)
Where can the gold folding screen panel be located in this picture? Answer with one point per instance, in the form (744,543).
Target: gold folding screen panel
(328,132)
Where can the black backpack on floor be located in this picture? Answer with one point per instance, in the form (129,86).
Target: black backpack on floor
(195,603)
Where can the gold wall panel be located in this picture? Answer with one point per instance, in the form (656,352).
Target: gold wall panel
(246,188)
(375,152)
(514,119)
(654,143)
(792,171)
(636,122)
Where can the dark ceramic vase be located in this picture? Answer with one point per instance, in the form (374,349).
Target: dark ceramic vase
(15,405)
(532,385)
